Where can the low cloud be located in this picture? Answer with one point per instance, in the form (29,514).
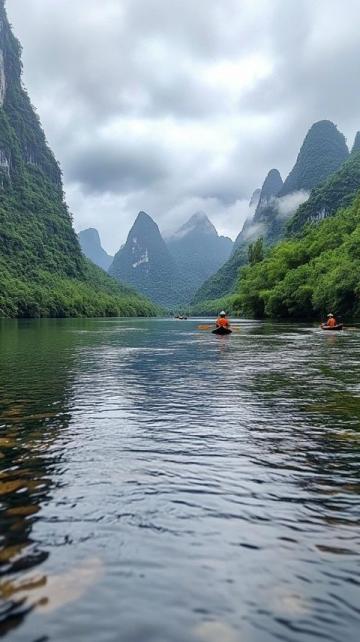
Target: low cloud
(254,231)
(287,205)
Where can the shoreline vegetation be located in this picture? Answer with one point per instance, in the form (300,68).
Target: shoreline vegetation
(303,277)
(308,276)
(314,268)
(49,295)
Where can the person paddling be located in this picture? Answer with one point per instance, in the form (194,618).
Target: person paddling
(221,321)
(331,321)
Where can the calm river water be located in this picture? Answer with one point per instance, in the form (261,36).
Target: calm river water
(160,484)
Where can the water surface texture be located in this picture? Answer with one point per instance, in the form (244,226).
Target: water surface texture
(160,484)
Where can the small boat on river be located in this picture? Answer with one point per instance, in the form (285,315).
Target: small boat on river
(222,331)
(338,326)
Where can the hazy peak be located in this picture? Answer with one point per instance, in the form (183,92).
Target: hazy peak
(197,223)
(90,233)
(356,145)
(255,198)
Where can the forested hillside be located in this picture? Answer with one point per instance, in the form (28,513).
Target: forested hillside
(42,269)
(339,190)
(224,280)
(304,278)
(323,151)
(324,169)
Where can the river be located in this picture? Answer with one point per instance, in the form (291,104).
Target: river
(161,484)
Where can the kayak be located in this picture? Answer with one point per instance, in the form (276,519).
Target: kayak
(222,331)
(339,326)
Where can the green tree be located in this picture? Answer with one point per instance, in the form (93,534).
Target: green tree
(256,251)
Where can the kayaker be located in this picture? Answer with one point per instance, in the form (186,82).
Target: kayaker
(221,321)
(331,321)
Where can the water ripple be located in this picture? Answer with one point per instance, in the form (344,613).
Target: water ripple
(159,483)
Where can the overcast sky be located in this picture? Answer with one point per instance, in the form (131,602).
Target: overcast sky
(175,106)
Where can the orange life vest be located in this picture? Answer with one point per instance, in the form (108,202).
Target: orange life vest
(222,323)
(331,322)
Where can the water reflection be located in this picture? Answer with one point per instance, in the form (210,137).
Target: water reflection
(35,384)
(158,483)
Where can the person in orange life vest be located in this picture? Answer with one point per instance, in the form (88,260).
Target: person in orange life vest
(331,321)
(221,321)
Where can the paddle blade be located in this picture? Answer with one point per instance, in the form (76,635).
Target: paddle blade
(204,327)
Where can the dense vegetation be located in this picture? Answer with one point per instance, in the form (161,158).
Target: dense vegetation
(306,277)
(339,190)
(213,307)
(42,270)
(322,166)
(323,151)
(224,281)
(50,294)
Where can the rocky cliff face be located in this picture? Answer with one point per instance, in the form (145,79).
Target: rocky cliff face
(2,74)
(18,117)
(42,269)
(91,246)
(146,263)
(34,220)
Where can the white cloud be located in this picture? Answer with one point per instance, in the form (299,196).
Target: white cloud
(174,107)
(287,205)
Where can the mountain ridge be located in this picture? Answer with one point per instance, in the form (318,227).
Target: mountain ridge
(321,154)
(145,262)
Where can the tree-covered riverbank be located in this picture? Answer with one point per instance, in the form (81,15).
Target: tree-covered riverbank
(305,277)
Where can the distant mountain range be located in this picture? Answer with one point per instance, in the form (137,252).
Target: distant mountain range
(90,244)
(169,271)
(195,264)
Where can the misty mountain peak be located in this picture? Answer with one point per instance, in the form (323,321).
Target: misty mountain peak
(356,145)
(255,197)
(197,223)
(272,184)
(323,151)
(90,244)
(145,262)
(90,233)
(144,219)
